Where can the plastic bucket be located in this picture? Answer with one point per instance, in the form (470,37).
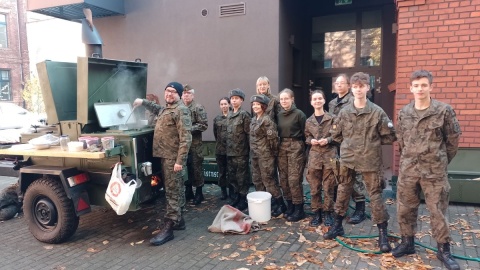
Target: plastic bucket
(259,206)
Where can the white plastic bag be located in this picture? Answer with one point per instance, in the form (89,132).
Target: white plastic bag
(119,194)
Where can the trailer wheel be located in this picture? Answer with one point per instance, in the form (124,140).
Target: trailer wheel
(49,212)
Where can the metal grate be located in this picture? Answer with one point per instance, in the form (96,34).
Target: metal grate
(75,11)
(232,9)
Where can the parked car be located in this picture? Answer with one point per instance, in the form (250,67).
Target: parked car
(15,120)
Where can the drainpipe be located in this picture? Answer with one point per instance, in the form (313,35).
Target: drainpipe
(20,23)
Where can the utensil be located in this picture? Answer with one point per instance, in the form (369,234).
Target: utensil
(133,109)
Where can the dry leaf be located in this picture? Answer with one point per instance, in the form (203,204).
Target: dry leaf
(91,250)
(156,231)
(214,255)
(389,201)
(301,238)
(132,244)
(332,256)
(139,242)
(105,242)
(48,247)
(234,255)
(144,227)
(130,220)
(227,246)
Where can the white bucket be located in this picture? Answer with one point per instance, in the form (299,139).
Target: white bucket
(259,206)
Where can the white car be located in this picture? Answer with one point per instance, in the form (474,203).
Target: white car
(14,120)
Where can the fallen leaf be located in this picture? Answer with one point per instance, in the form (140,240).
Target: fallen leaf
(48,247)
(332,256)
(227,246)
(234,255)
(301,238)
(130,220)
(156,231)
(144,227)
(139,242)
(214,255)
(132,244)
(91,250)
(105,242)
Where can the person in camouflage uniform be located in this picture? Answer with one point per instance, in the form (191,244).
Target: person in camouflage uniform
(264,149)
(198,114)
(291,154)
(344,98)
(322,162)
(171,141)
(238,128)
(428,136)
(361,128)
(220,134)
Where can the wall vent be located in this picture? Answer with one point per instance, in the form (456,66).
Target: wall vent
(232,9)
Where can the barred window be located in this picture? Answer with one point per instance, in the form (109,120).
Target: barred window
(5,90)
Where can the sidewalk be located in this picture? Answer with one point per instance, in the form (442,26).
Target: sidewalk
(107,241)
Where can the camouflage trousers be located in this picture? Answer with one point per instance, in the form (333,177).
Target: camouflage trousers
(237,173)
(174,190)
(291,164)
(222,170)
(319,179)
(263,171)
(359,190)
(195,167)
(436,198)
(374,185)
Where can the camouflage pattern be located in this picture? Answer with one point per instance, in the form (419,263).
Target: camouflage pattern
(335,106)
(174,190)
(264,149)
(172,136)
(220,134)
(360,134)
(374,185)
(359,189)
(171,142)
(273,107)
(238,128)
(195,155)
(222,170)
(427,144)
(321,163)
(291,163)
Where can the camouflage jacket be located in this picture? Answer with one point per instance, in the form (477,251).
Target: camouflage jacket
(334,106)
(263,137)
(427,143)
(273,107)
(238,128)
(172,137)
(320,155)
(360,134)
(220,133)
(199,122)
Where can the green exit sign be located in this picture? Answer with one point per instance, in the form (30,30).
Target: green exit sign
(343,2)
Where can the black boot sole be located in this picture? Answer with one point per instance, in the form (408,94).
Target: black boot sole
(402,254)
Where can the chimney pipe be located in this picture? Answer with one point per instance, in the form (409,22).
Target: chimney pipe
(90,36)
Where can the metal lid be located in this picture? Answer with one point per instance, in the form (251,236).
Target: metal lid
(114,113)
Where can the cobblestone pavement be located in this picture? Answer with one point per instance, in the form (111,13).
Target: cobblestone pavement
(107,241)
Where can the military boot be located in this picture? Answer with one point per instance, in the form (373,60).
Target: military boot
(224,194)
(383,243)
(179,226)
(198,196)
(359,214)
(298,213)
(235,201)
(407,246)
(189,193)
(165,235)
(328,219)
(231,193)
(242,203)
(444,255)
(336,229)
(279,207)
(289,210)
(317,219)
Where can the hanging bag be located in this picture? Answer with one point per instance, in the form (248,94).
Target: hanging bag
(119,194)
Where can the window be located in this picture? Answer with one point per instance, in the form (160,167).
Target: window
(5,91)
(3,31)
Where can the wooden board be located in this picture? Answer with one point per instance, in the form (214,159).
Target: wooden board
(53,151)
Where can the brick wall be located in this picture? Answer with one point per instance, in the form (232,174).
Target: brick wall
(15,56)
(442,36)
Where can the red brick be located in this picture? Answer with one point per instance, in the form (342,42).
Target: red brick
(464,9)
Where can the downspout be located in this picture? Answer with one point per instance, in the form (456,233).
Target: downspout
(21,13)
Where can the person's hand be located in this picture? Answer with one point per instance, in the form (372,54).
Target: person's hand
(137,102)
(323,142)
(314,142)
(177,167)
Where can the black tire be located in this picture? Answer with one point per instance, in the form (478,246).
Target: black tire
(49,212)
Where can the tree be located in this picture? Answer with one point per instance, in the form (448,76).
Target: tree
(32,94)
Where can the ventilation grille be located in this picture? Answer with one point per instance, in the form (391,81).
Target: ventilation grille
(232,9)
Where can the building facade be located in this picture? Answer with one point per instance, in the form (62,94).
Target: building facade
(14,63)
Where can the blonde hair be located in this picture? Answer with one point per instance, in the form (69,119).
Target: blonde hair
(263,78)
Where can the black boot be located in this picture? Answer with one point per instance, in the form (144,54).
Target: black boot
(383,243)
(279,207)
(317,219)
(407,246)
(359,214)
(290,209)
(198,196)
(232,193)
(165,235)
(179,226)
(336,229)
(328,219)
(224,194)
(189,193)
(242,203)
(444,255)
(236,200)
(298,213)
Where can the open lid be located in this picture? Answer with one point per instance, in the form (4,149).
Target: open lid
(114,114)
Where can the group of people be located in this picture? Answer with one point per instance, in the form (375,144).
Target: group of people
(344,155)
